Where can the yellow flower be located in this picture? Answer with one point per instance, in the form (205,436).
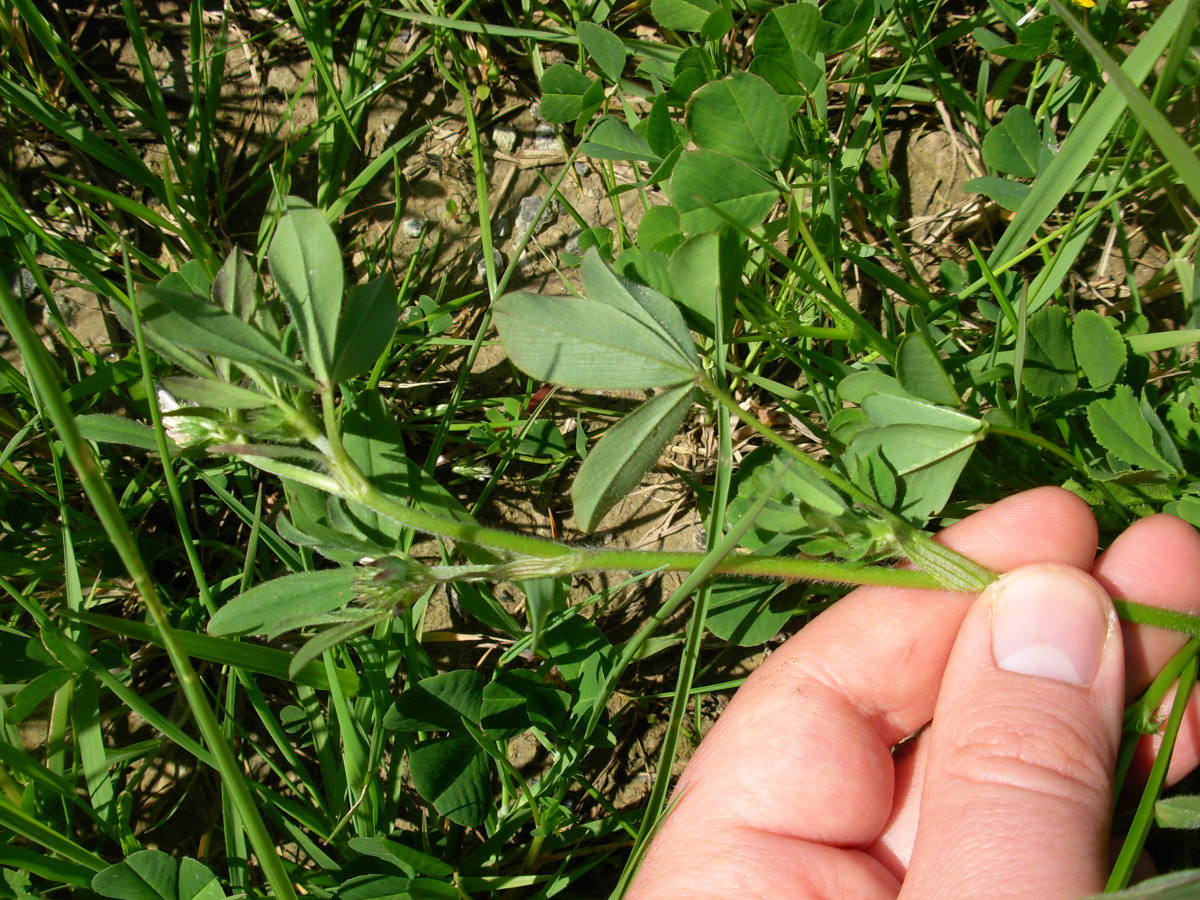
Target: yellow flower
(1084,4)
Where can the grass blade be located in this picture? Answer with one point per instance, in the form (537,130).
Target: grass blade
(1085,138)
(1173,147)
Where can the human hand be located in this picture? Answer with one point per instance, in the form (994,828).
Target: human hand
(796,791)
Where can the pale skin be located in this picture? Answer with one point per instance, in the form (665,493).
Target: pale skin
(799,790)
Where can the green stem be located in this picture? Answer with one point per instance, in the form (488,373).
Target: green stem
(1157,617)
(44,373)
(549,558)
(1140,826)
(552,558)
(788,568)
(1139,718)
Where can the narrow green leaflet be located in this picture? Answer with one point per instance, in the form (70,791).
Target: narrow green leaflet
(409,859)
(1118,424)
(190,323)
(452,774)
(307,267)
(543,598)
(920,371)
(105,428)
(365,328)
(1182,811)
(1049,358)
(621,336)
(235,289)
(682,15)
(707,178)
(1050,278)
(1099,348)
(30,697)
(662,132)
(613,139)
(227,652)
(619,460)
(1163,441)
(213,393)
(743,116)
(638,302)
(338,633)
(291,601)
(153,875)
(1013,145)
(567,93)
(604,47)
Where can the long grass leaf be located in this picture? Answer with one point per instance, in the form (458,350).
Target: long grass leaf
(1173,147)
(1085,138)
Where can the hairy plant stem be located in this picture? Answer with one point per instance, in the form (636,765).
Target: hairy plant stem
(544,558)
(44,374)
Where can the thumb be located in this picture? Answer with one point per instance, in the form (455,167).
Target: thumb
(1018,783)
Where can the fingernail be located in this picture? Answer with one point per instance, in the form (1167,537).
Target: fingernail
(1049,622)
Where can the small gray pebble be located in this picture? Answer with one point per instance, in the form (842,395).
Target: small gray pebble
(572,244)
(412,226)
(527,215)
(481,269)
(545,138)
(23,286)
(505,138)
(581,169)
(535,110)
(501,227)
